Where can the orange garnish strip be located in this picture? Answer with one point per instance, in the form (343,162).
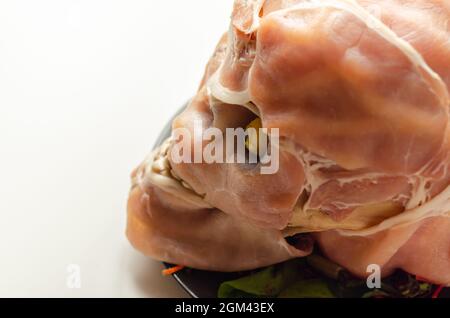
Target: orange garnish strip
(172,270)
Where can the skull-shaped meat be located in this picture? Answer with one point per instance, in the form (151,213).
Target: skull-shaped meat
(359,92)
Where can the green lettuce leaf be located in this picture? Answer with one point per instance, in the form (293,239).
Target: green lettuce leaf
(289,279)
(317,277)
(311,288)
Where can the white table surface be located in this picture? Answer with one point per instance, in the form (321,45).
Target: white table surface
(85,88)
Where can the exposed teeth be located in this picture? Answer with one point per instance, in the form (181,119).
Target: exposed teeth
(165,148)
(165,173)
(161,165)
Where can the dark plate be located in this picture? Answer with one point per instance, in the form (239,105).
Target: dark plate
(202,284)
(205,284)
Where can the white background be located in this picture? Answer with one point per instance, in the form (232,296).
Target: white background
(85,88)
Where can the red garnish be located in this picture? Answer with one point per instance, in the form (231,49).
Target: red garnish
(421,279)
(172,270)
(438,291)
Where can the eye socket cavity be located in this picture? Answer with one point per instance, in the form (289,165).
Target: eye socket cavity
(232,116)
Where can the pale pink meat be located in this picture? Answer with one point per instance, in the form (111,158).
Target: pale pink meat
(172,230)
(421,249)
(363,112)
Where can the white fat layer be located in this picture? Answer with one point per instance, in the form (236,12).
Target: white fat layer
(419,204)
(224,94)
(438,206)
(257,7)
(214,85)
